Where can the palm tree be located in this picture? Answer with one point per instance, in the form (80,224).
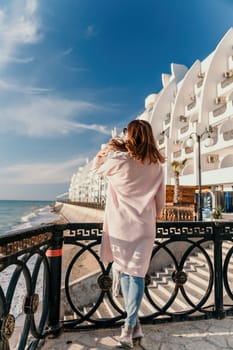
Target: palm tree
(177,167)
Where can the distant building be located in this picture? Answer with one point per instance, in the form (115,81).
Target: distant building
(87,187)
(194,103)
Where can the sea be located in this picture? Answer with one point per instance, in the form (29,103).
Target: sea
(20,214)
(16,215)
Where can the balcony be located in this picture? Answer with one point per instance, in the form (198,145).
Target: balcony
(166,120)
(183,131)
(188,150)
(192,104)
(226,82)
(162,135)
(177,154)
(211,162)
(225,85)
(198,86)
(228,135)
(161,140)
(220,110)
(200,83)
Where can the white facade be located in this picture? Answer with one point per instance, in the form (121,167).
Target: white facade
(87,187)
(191,102)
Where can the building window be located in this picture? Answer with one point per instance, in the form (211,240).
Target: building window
(228,201)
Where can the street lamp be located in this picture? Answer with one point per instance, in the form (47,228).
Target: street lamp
(189,143)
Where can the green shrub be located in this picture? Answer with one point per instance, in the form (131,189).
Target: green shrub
(217,212)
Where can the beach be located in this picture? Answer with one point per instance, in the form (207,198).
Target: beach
(62,213)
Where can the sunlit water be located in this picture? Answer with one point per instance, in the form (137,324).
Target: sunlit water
(24,214)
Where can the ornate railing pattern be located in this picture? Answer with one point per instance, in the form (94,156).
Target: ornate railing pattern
(178,213)
(26,287)
(31,278)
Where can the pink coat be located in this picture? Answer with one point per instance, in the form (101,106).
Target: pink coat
(135,198)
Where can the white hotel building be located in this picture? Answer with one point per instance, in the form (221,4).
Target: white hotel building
(194,102)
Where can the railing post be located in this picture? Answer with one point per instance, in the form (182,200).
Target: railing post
(218,271)
(54,255)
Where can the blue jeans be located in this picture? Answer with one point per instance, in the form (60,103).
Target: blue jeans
(133,289)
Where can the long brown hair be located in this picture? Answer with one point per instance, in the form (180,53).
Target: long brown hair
(140,143)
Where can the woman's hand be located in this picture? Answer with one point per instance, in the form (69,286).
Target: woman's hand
(103,152)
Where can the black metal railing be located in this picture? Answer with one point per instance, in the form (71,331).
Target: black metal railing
(43,291)
(29,285)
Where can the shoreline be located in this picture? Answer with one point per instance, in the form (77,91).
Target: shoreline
(66,213)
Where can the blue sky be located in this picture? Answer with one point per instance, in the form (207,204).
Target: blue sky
(71,70)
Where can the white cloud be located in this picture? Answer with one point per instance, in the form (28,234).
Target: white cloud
(19,25)
(40,173)
(5,86)
(15,59)
(73,68)
(66,52)
(31,6)
(90,31)
(77,69)
(41,116)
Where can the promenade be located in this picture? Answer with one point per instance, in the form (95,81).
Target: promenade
(209,334)
(194,335)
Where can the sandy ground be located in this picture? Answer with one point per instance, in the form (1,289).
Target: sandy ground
(72,213)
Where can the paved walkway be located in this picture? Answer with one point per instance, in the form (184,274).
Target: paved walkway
(74,213)
(194,335)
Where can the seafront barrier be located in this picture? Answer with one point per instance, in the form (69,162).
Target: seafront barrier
(54,276)
(78,213)
(71,210)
